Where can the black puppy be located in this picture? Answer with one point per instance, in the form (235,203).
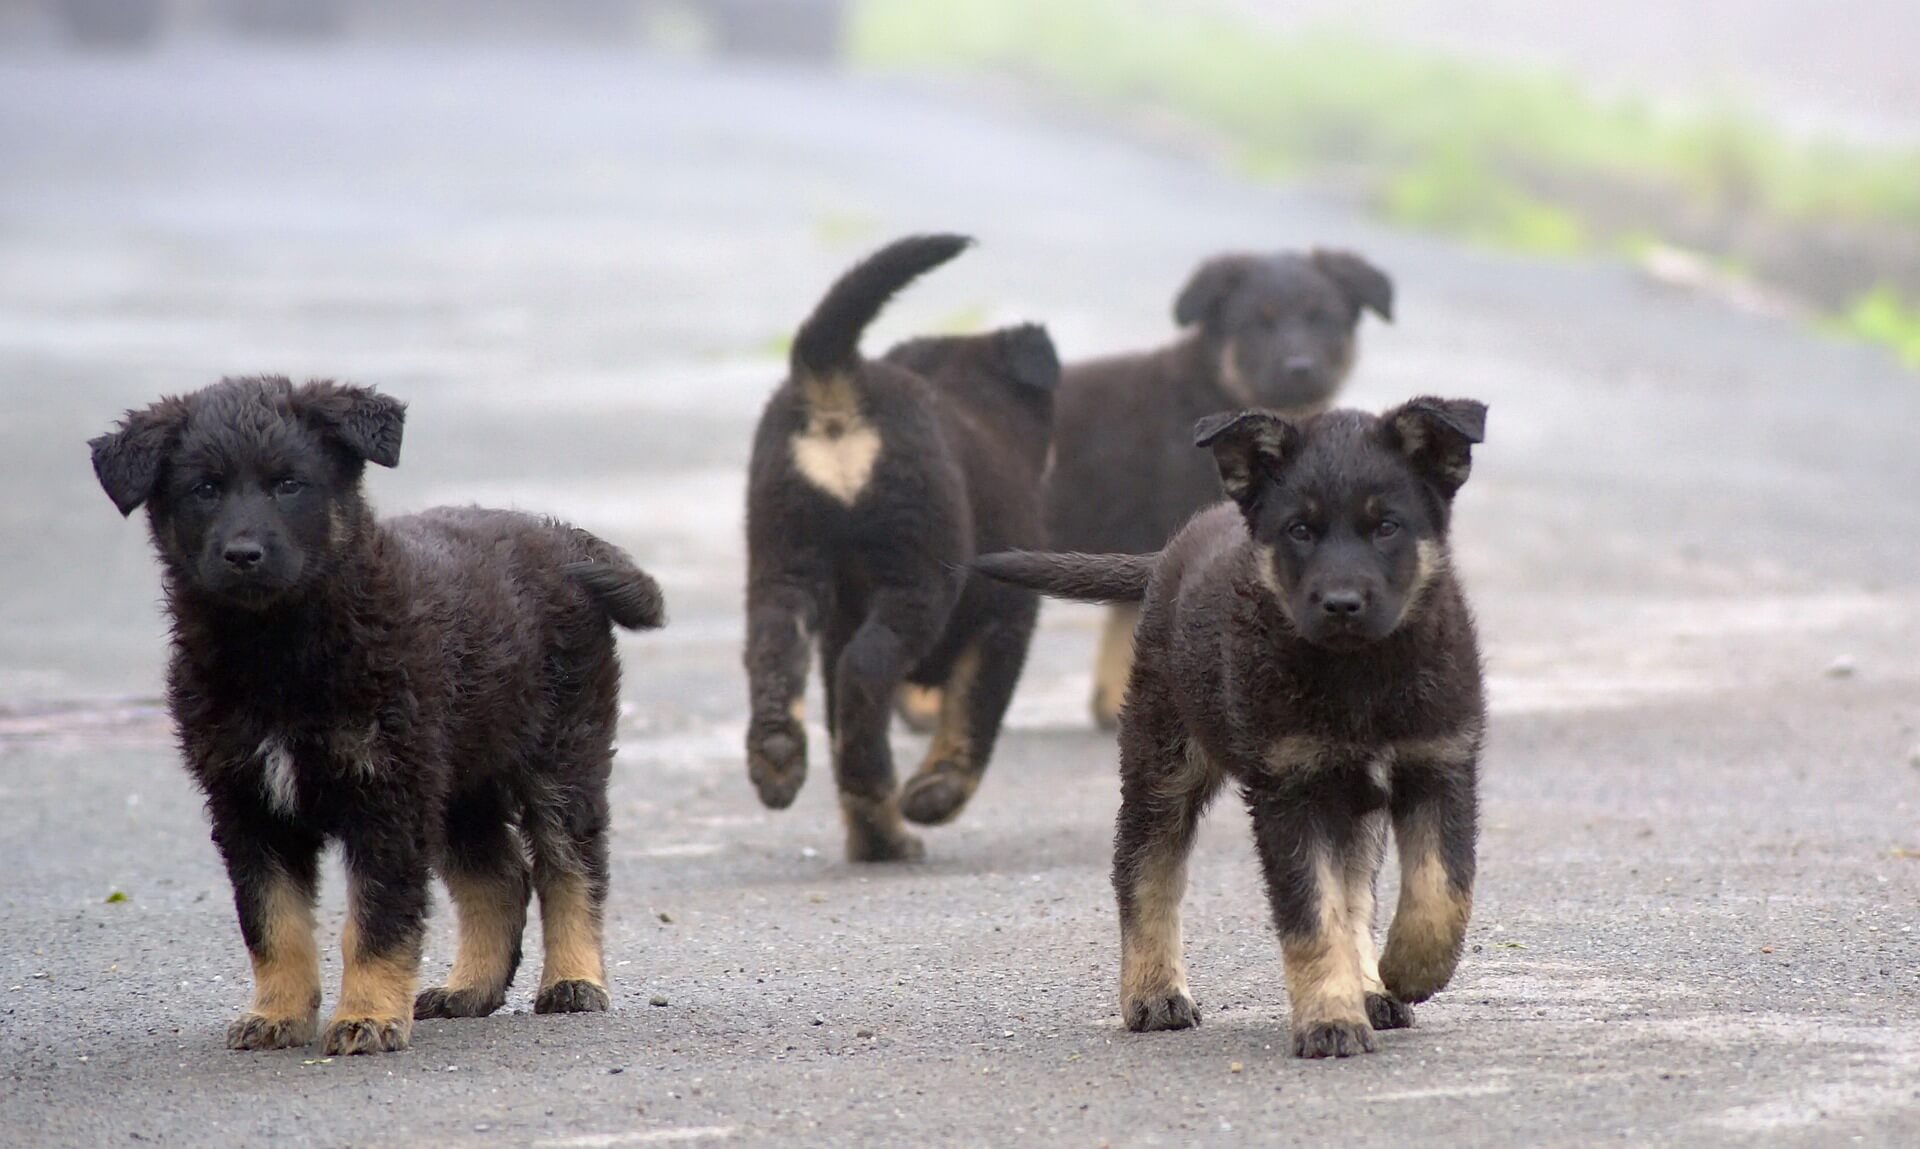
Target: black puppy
(871,486)
(1273,332)
(438,690)
(1310,643)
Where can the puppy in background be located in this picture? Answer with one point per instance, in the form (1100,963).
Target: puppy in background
(433,691)
(1309,643)
(1267,332)
(872,484)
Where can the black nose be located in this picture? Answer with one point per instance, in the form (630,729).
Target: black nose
(243,554)
(1299,366)
(1343,603)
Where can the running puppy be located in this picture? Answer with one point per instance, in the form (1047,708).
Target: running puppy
(1273,332)
(434,691)
(872,484)
(1308,642)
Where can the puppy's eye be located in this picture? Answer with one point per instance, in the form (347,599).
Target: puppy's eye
(1300,533)
(205,489)
(289,487)
(1386,530)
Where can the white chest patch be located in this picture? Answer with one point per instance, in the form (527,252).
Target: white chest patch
(837,457)
(276,776)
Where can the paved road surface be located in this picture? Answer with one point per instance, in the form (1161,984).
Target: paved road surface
(1693,928)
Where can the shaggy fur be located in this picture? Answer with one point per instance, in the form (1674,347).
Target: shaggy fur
(872,484)
(1274,332)
(438,690)
(1308,642)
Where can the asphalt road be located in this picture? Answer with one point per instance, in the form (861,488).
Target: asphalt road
(1696,917)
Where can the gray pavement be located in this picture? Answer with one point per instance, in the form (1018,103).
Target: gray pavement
(1696,919)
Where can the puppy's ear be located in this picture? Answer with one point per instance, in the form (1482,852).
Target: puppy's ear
(1437,437)
(1248,446)
(127,459)
(1362,283)
(1030,357)
(360,419)
(1209,287)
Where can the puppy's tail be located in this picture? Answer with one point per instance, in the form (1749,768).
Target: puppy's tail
(628,594)
(829,340)
(1087,578)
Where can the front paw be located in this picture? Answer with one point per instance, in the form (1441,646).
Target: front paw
(440,1001)
(1414,976)
(1385,1011)
(1165,1009)
(350,1035)
(937,794)
(258,1031)
(1333,1039)
(573,997)
(777,762)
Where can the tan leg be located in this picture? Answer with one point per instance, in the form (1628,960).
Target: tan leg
(1430,924)
(573,978)
(1384,1011)
(286,971)
(1160,808)
(1114,664)
(1325,984)
(950,772)
(493,916)
(375,1013)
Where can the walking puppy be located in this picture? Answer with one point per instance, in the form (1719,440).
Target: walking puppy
(871,486)
(1273,332)
(438,690)
(1308,642)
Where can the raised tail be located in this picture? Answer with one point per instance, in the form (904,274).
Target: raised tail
(628,594)
(829,340)
(1087,578)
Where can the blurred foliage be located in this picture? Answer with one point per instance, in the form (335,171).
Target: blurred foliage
(1881,316)
(1523,159)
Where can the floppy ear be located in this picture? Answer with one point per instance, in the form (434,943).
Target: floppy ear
(1362,283)
(1248,446)
(1210,285)
(359,418)
(1030,357)
(1437,436)
(127,459)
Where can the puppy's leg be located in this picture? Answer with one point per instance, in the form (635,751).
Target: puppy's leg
(973,705)
(1303,841)
(781,619)
(1360,872)
(1114,664)
(899,627)
(387,904)
(568,833)
(1435,819)
(486,872)
(275,877)
(1166,784)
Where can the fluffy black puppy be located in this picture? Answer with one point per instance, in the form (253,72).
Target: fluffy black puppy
(1271,332)
(872,483)
(438,690)
(1310,643)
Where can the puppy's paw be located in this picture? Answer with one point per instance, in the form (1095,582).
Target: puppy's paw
(443,1002)
(258,1031)
(1333,1039)
(871,844)
(350,1035)
(918,707)
(937,794)
(777,762)
(1167,1009)
(573,997)
(1384,1011)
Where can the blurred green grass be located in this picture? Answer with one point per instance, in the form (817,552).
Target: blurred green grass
(1524,160)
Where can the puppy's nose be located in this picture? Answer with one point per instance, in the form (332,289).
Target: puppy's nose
(1343,603)
(243,554)
(1299,366)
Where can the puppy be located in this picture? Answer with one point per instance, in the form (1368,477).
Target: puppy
(1274,332)
(434,691)
(872,484)
(1308,642)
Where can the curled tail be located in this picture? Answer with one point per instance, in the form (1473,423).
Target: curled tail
(1088,578)
(830,338)
(628,594)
